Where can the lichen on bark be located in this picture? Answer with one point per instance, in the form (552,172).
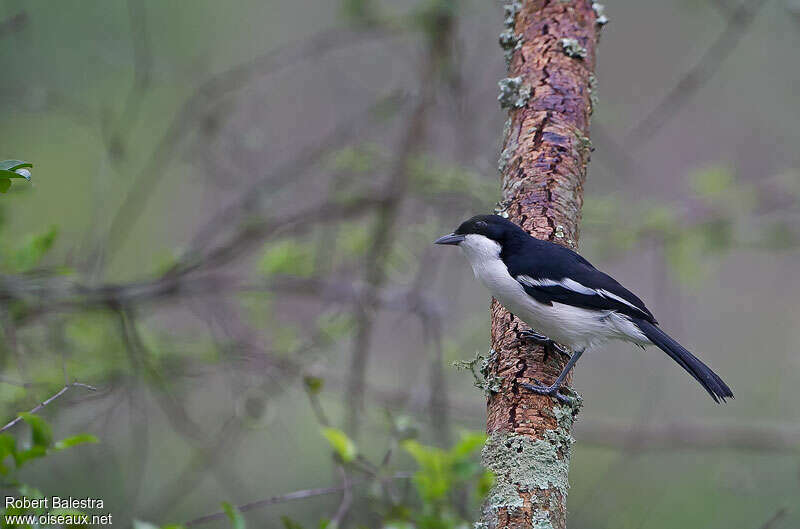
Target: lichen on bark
(542,164)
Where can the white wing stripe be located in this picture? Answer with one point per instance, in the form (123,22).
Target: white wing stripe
(571,284)
(607,294)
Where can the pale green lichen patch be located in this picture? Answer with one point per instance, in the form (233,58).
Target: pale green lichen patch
(501,208)
(523,464)
(541,520)
(479,367)
(593,91)
(572,48)
(513,94)
(511,9)
(510,42)
(600,11)
(508,39)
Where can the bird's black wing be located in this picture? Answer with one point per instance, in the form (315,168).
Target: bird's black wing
(551,273)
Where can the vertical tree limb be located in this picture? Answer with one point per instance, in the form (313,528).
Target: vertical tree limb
(551,51)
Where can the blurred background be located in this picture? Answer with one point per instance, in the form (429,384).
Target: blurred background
(228,235)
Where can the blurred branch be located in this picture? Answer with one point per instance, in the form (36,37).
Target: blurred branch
(382,235)
(206,448)
(283,498)
(682,435)
(209,92)
(737,25)
(47,401)
(778,516)
(142,68)
(275,179)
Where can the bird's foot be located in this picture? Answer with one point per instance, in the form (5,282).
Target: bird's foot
(541,339)
(551,391)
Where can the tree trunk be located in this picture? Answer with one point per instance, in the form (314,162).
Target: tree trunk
(550,46)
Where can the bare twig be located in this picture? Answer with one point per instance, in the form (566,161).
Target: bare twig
(47,401)
(771,523)
(283,498)
(347,498)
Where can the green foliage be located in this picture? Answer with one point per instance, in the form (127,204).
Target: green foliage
(287,257)
(430,15)
(233,514)
(288,523)
(433,179)
(13,169)
(360,159)
(440,470)
(27,255)
(723,215)
(313,385)
(442,474)
(75,440)
(35,247)
(40,445)
(344,447)
(334,326)
(360,12)
(352,240)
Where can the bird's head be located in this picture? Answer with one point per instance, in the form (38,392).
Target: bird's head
(484,231)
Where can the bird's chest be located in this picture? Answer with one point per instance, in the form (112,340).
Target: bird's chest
(507,290)
(553,320)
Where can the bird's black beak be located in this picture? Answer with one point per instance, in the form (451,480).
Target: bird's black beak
(449,239)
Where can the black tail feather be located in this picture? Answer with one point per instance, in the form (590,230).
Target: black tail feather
(718,389)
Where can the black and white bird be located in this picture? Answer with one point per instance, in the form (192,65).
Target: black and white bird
(564,299)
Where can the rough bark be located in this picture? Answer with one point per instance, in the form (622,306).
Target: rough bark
(550,46)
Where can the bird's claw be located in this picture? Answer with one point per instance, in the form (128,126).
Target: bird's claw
(535,337)
(551,391)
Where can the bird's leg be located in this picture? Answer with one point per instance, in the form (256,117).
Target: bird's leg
(552,390)
(549,344)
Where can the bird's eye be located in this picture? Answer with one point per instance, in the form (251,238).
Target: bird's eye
(481,224)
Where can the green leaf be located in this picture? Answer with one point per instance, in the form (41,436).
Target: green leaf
(237,521)
(468,444)
(15,169)
(34,452)
(485,483)
(287,258)
(8,447)
(313,384)
(434,477)
(711,182)
(34,249)
(288,523)
(344,447)
(75,440)
(398,524)
(5,184)
(42,434)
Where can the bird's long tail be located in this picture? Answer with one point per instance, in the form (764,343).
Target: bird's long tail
(718,389)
